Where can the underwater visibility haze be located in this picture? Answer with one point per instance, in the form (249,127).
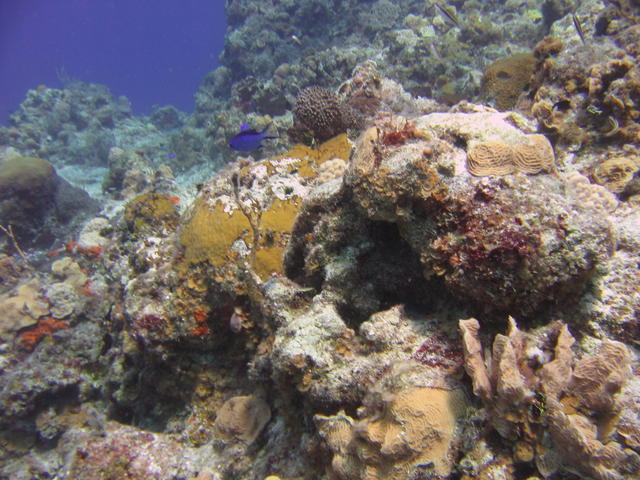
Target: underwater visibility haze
(153,52)
(357,240)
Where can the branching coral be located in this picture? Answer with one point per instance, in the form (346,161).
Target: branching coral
(535,384)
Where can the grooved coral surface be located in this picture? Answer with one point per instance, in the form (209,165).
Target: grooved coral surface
(506,78)
(490,158)
(411,435)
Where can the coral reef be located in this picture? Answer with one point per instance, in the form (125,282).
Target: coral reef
(72,125)
(292,314)
(469,233)
(592,84)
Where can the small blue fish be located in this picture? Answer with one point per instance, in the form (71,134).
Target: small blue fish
(249,139)
(171,155)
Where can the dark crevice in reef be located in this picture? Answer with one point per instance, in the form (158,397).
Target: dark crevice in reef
(389,273)
(143,399)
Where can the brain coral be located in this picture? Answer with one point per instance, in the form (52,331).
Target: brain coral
(21,174)
(323,114)
(406,428)
(506,78)
(497,158)
(415,430)
(490,158)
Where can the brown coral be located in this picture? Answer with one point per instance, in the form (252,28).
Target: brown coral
(615,173)
(25,174)
(535,156)
(414,430)
(506,78)
(242,419)
(563,396)
(497,158)
(322,113)
(490,158)
(547,47)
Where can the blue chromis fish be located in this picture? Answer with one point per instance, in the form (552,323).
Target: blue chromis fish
(249,139)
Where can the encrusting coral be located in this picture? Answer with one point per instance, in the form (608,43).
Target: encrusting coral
(536,384)
(403,430)
(150,213)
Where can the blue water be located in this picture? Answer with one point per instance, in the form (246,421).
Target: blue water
(155,52)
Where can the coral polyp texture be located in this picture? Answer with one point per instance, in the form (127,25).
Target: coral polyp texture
(294,314)
(323,113)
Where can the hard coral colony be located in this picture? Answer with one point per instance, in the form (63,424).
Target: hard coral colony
(333,306)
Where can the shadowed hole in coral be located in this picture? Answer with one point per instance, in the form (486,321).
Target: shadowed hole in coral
(151,396)
(65,399)
(389,273)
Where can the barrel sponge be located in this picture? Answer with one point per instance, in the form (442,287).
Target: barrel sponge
(25,174)
(506,78)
